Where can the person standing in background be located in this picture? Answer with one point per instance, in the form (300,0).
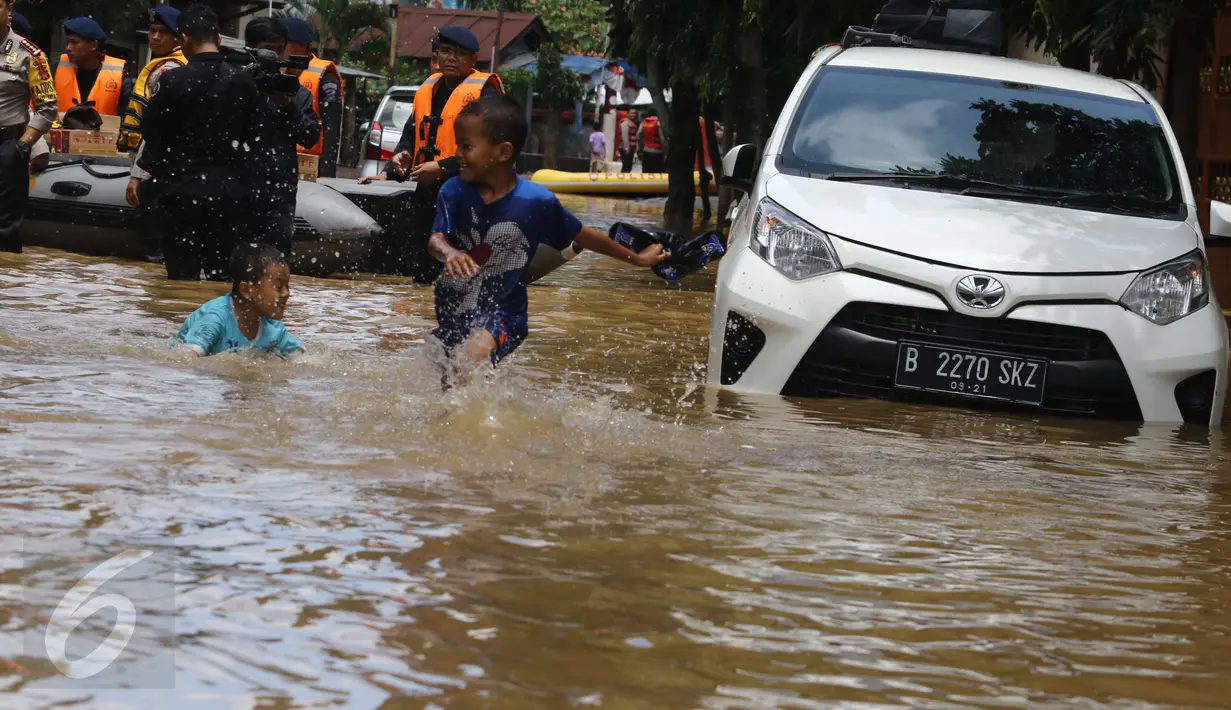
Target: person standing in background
(626,138)
(324,83)
(85,75)
(198,130)
(282,121)
(650,140)
(25,81)
(598,150)
(165,47)
(40,154)
(427,150)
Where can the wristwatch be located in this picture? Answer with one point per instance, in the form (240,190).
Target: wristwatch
(24,148)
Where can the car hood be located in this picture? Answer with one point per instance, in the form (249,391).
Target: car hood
(981,233)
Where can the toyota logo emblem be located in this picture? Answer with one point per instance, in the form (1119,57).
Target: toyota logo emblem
(980,292)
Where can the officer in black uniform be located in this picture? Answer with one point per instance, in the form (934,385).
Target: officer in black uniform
(25,81)
(283,122)
(198,129)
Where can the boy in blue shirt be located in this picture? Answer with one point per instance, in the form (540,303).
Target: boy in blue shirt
(250,317)
(489,222)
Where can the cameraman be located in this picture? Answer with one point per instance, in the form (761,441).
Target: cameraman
(283,120)
(197,130)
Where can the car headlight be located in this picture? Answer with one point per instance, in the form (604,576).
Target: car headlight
(792,246)
(1171,291)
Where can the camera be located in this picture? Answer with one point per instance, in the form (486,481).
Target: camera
(268,70)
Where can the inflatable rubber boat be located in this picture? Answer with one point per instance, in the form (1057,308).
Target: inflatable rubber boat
(77,204)
(564,183)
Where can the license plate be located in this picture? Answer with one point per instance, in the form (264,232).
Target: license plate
(969,373)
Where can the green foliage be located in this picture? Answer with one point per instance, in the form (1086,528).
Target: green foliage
(342,22)
(1121,37)
(576,26)
(557,88)
(517,82)
(118,17)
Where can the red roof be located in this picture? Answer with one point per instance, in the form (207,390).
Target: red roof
(417,26)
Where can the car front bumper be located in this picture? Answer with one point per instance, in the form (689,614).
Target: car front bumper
(838,334)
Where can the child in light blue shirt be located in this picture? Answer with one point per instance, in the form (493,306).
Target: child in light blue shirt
(250,317)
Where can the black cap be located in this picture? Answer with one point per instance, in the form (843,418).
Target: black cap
(459,36)
(85,27)
(299,30)
(166,15)
(21,25)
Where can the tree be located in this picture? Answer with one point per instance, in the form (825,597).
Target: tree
(576,26)
(558,89)
(118,17)
(341,23)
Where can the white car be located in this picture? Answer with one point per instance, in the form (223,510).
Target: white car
(954,228)
(382,138)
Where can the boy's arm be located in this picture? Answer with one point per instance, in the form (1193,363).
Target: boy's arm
(594,240)
(288,346)
(458,263)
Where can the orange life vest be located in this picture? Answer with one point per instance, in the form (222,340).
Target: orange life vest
(105,95)
(434,137)
(705,148)
(310,79)
(650,135)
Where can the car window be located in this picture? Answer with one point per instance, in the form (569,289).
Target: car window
(869,120)
(396,111)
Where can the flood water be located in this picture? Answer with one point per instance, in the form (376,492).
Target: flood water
(593,526)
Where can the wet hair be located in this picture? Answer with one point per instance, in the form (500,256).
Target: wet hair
(199,23)
(265,29)
(250,261)
(503,119)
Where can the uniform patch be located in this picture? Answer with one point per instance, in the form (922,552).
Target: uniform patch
(31,47)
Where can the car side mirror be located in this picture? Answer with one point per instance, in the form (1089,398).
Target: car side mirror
(1220,225)
(739,168)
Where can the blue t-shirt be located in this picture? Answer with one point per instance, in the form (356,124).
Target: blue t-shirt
(502,237)
(212,329)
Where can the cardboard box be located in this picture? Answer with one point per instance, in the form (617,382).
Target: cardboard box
(309,167)
(83,142)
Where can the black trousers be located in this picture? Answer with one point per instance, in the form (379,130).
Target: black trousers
(653,162)
(14,193)
(626,160)
(273,222)
(151,221)
(199,234)
(422,267)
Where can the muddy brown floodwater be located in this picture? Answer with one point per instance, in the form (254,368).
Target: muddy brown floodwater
(592,527)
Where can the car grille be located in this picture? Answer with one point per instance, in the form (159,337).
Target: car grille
(856,356)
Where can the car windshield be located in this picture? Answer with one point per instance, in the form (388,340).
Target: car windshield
(856,120)
(396,111)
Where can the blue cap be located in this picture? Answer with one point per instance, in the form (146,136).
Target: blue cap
(299,30)
(460,36)
(166,15)
(21,25)
(85,27)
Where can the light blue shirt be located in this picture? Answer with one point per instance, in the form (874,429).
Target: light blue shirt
(212,329)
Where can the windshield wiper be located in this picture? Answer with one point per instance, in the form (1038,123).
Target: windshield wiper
(1127,201)
(965,185)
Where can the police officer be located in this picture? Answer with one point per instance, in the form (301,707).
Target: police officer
(25,80)
(324,83)
(197,130)
(426,151)
(282,122)
(165,48)
(85,75)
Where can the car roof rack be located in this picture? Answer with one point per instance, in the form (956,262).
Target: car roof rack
(867,37)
